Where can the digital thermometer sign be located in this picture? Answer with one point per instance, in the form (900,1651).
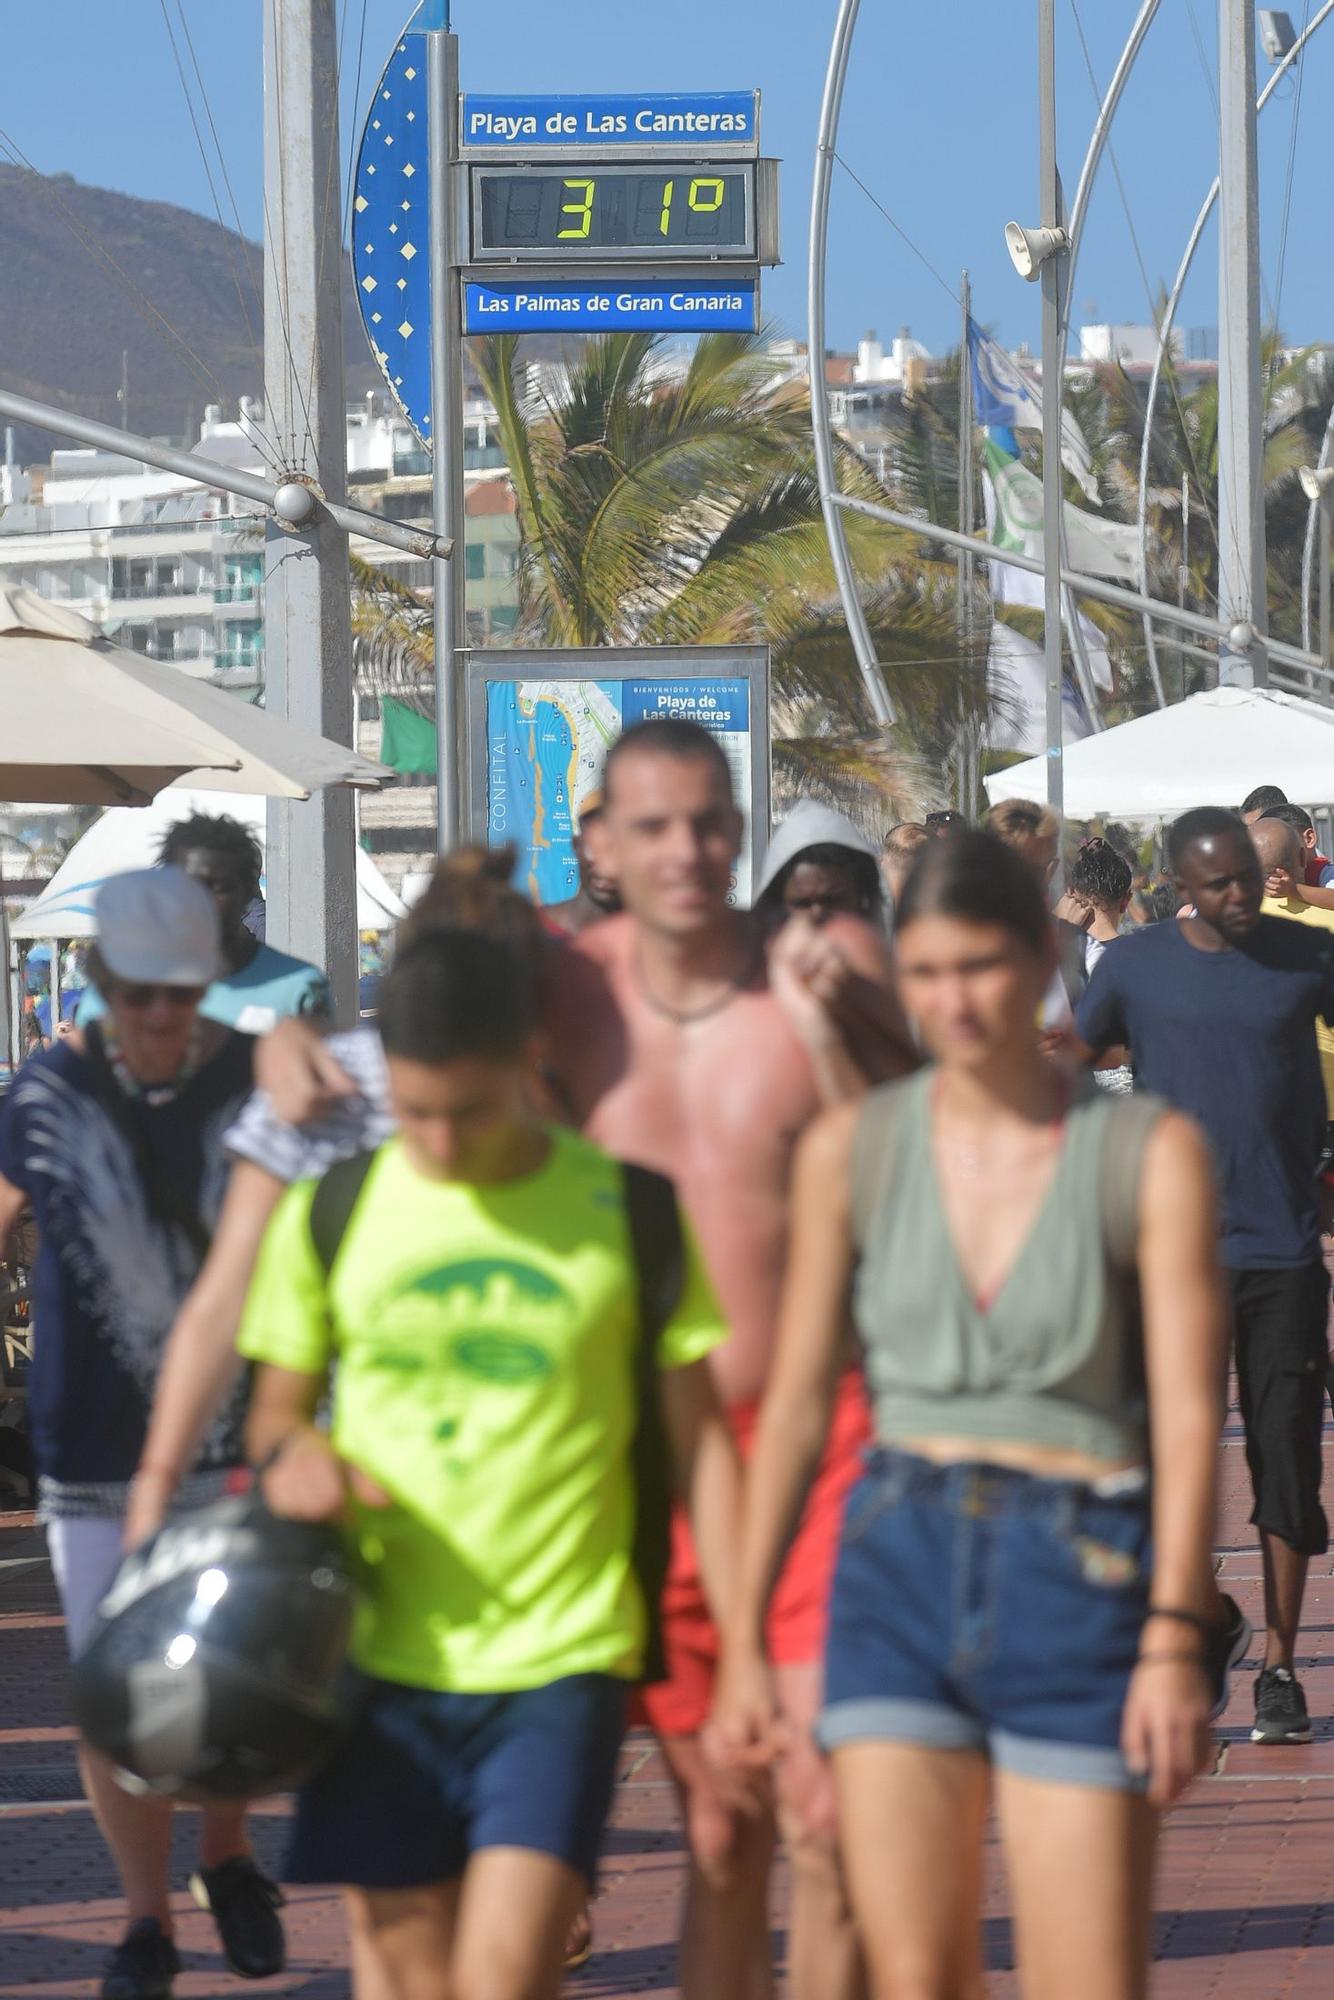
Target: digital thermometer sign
(586,211)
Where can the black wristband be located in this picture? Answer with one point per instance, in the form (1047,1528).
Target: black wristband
(1195,1619)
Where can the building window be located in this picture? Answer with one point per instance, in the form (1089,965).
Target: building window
(474,561)
(503,617)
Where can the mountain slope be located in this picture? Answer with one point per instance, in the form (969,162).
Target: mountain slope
(186,309)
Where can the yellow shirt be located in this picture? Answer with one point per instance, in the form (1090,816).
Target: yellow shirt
(1299,912)
(485,1341)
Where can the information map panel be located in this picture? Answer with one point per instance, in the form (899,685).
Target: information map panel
(551,213)
(540,723)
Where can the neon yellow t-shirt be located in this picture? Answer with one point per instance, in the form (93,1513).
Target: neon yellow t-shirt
(485,1344)
(1298,912)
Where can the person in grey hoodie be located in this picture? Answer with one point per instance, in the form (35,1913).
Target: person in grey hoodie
(818,863)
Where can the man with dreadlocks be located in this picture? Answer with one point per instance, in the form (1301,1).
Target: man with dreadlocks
(258,986)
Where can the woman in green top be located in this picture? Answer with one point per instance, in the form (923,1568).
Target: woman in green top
(1024,1594)
(482,1300)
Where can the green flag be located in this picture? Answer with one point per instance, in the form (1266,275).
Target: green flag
(407,740)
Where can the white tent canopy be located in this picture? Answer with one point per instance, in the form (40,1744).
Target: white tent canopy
(130,836)
(1209,750)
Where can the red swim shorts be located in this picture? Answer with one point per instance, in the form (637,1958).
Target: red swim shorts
(679,1706)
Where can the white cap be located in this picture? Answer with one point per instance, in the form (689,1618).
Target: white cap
(158,926)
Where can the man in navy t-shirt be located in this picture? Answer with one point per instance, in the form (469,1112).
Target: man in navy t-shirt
(1219,1010)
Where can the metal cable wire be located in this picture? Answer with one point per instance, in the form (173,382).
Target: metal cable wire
(898,228)
(256,277)
(262,442)
(1288,185)
(139,299)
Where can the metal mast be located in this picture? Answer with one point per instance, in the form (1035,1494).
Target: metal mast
(449,579)
(1053,279)
(1242,601)
(835,78)
(311,862)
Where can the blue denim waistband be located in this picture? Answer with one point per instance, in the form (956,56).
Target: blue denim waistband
(977,1487)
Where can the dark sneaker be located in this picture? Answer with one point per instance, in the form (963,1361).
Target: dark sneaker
(245,1905)
(143,1964)
(1224,1649)
(1280,1708)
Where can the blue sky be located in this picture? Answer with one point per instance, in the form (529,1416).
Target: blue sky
(939,123)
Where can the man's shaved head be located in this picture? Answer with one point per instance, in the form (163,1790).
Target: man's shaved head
(1278,846)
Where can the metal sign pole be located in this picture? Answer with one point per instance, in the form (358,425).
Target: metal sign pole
(311,851)
(1242,661)
(442,86)
(1053,278)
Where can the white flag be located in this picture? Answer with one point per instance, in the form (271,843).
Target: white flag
(1024,588)
(1017,680)
(1098,548)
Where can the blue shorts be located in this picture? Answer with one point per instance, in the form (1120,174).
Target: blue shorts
(423,1780)
(976,1608)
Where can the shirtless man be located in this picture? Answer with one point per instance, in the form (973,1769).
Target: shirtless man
(679,1047)
(716,1063)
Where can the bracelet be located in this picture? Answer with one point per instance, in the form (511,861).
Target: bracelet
(1157,1659)
(1208,1626)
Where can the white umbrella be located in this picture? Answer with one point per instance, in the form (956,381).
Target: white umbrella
(130,838)
(89,723)
(1209,750)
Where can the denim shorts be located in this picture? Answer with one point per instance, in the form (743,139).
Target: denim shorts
(976,1608)
(423,1780)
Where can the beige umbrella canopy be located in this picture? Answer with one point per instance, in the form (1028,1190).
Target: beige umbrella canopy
(85,722)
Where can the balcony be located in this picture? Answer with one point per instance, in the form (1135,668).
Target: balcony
(237,593)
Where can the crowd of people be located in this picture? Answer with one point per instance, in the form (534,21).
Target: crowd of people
(801,1331)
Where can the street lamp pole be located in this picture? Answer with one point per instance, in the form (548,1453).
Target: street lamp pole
(1242,596)
(1053,288)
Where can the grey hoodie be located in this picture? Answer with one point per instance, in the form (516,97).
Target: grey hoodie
(809,825)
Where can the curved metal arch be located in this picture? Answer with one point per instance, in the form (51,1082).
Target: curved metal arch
(1312,525)
(1075,231)
(817,267)
(830,105)
(1164,342)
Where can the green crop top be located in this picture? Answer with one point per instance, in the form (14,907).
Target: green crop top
(1056,1358)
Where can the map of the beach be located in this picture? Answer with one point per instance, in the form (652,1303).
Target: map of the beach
(546,741)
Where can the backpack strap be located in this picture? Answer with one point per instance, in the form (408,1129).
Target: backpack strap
(876,1146)
(1130,1124)
(335,1197)
(657,1243)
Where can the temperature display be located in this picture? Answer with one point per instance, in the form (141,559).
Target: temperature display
(595,212)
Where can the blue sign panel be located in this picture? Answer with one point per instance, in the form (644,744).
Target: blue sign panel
(391,230)
(663,305)
(708,119)
(720,706)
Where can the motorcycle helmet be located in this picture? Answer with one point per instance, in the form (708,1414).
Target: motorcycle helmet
(216,1668)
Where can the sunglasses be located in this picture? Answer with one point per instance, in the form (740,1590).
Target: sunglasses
(143,996)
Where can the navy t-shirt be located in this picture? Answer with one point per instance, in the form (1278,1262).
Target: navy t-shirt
(110,1274)
(1229,1036)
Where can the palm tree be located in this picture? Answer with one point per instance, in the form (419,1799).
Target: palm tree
(665,508)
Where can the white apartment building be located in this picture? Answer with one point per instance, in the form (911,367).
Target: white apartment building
(173,571)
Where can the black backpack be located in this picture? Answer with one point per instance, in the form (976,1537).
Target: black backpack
(658,1246)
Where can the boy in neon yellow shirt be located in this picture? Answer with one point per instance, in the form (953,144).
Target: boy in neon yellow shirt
(483,1309)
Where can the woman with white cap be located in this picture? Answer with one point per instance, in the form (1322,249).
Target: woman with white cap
(113,1137)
